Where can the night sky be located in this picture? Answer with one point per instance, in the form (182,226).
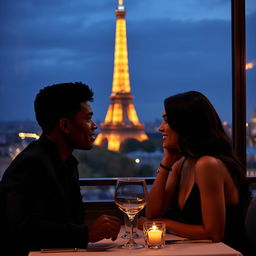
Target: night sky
(173,46)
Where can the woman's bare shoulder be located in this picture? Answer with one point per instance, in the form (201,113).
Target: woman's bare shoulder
(206,165)
(209,161)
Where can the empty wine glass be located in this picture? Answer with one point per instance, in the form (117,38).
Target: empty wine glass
(130,197)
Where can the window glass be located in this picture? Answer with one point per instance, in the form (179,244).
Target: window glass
(173,47)
(251,86)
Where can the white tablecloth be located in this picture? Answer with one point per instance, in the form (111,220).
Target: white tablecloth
(186,248)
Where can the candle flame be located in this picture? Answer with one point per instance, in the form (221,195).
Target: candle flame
(120,2)
(154,227)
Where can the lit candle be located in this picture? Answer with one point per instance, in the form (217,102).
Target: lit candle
(155,235)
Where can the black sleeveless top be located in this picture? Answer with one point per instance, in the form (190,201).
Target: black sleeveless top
(235,234)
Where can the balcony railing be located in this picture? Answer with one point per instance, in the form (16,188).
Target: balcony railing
(108,181)
(95,208)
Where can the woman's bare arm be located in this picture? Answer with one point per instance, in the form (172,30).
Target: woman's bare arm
(210,179)
(162,191)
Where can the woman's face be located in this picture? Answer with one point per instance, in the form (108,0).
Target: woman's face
(170,137)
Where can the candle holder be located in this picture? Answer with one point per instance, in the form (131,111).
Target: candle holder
(154,234)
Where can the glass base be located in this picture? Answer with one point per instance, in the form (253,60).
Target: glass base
(131,246)
(159,246)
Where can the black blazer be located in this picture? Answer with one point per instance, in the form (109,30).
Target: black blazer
(41,201)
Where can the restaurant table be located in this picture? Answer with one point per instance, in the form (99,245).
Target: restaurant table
(183,247)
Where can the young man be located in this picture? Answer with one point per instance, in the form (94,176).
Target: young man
(40,189)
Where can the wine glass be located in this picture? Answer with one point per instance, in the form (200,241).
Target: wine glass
(130,197)
(127,223)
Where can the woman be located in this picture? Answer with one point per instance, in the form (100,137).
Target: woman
(200,190)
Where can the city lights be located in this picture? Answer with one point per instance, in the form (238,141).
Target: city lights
(137,160)
(24,135)
(250,65)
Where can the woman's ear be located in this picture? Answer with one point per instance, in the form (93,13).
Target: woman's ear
(64,125)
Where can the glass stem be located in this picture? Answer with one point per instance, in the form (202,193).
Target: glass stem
(131,240)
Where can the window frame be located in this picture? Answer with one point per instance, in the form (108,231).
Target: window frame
(239,82)
(238,79)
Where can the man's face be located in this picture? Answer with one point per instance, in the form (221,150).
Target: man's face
(82,129)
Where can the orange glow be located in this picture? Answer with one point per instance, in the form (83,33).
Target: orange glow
(121,79)
(98,140)
(115,140)
(142,137)
(249,65)
(132,114)
(121,121)
(117,113)
(109,115)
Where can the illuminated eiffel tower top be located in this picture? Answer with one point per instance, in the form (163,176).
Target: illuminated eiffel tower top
(121,121)
(121,78)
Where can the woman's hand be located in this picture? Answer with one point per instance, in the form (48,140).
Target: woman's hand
(171,156)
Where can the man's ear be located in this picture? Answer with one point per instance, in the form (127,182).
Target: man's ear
(64,125)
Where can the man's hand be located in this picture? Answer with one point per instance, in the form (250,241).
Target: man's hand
(104,227)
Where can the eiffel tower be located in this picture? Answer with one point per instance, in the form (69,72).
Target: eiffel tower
(121,121)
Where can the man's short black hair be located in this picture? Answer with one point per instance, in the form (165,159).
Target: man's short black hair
(60,100)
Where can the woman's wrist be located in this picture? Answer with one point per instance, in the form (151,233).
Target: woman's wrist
(166,167)
(167,162)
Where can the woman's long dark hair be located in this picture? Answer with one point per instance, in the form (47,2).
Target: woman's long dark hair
(200,131)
